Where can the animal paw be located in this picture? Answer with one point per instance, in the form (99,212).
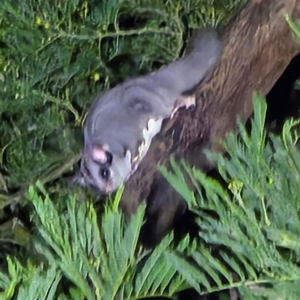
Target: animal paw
(183,101)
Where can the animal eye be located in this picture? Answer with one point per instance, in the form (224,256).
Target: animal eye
(109,157)
(104,173)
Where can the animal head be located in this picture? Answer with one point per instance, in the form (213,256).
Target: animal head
(107,166)
(105,170)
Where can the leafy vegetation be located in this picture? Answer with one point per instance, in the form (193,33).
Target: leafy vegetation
(57,55)
(248,233)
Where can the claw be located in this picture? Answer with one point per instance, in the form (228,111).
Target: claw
(183,101)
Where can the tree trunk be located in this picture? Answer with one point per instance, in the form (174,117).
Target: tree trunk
(258,46)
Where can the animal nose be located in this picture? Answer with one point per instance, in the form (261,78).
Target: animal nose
(108,189)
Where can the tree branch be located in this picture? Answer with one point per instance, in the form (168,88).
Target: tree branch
(258,46)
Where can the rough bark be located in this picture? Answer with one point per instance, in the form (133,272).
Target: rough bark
(258,46)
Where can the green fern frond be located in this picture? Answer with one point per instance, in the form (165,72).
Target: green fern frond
(31,282)
(250,239)
(100,258)
(255,233)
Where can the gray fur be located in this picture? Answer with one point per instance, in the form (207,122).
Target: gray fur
(124,117)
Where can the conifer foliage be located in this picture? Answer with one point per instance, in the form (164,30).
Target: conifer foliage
(55,56)
(248,233)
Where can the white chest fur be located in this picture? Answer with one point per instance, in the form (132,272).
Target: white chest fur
(153,128)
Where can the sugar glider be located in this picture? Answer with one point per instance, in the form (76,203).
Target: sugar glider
(122,121)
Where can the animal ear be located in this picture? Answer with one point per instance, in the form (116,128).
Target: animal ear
(99,154)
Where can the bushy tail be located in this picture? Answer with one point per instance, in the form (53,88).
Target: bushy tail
(187,72)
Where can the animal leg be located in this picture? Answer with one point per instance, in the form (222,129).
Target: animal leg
(183,101)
